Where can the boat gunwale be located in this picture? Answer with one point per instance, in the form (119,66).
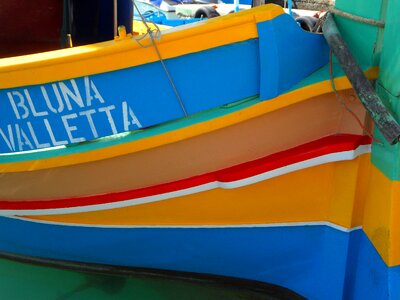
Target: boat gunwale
(16,71)
(59,157)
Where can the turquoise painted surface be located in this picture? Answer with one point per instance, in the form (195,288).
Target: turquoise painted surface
(387,157)
(390,60)
(374,46)
(321,74)
(362,38)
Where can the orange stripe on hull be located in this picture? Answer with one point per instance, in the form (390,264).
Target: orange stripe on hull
(313,194)
(231,145)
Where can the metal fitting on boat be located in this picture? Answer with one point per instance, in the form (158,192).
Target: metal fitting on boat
(122,31)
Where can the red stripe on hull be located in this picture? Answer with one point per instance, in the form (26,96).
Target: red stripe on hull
(327,145)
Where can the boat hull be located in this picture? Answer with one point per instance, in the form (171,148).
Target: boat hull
(265,176)
(249,219)
(317,260)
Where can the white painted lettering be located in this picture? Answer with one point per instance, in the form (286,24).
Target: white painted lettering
(69,94)
(89,85)
(8,139)
(20,104)
(69,128)
(18,134)
(35,140)
(22,139)
(51,134)
(50,106)
(88,114)
(33,109)
(129,117)
(110,119)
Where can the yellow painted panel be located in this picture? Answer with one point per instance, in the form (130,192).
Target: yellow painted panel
(382,216)
(361,191)
(346,204)
(395,226)
(301,196)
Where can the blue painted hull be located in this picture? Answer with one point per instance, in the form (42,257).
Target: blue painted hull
(317,261)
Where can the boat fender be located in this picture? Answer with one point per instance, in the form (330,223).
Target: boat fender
(206,12)
(307,23)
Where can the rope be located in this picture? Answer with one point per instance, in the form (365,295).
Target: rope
(343,102)
(154,44)
(357,18)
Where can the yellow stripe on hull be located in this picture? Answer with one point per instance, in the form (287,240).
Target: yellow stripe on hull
(311,194)
(114,55)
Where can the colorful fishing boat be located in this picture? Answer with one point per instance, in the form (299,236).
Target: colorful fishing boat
(234,146)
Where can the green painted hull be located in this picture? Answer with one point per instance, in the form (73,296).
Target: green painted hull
(30,281)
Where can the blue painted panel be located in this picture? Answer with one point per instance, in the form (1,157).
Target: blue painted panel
(394,282)
(368,277)
(318,262)
(287,55)
(310,260)
(101,105)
